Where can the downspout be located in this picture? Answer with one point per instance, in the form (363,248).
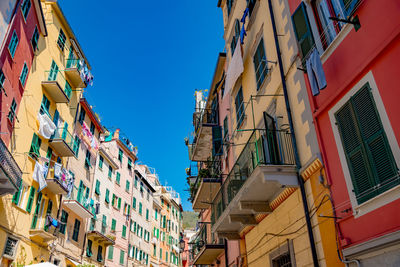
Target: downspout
(296,154)
(226,251)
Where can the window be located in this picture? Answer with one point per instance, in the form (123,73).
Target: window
(77,143)
(75,234)
(97,189)
(123,231)
(166,256)
(30,199)
(45,106)
(217,141)
(120,155)
(136,181)
(239,105)
(229,4)
(53,71)
(12,46)
(107,198)
(12,112)
(110,252)
(68,89)
(61,40)
(368,154)
(128,185)
(118,178)
(24,74)
(101,161)
(89,248)
(154,251)
(129,163)
(121,257)
(100,254)
(134,203)
(282,256)
(25,7)
(35,39)
(235,37)
(260,64)
(110,170)
(147,214)
(87,160)
(119,203)
(34,151)
(251,4)
(140,208)
(302,30)
(2,78)
(92,127)
(82,115)
(113,224)
(160,253)
(226,129)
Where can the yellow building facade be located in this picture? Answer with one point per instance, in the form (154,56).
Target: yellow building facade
(53,91)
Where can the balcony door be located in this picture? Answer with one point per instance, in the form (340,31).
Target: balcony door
(270,141)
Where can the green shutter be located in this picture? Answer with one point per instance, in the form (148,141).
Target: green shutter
(107,198)
(122,257)
(128,185)
(302,29)
(113,224)
(113,200)
(110,252)
(53,71)
(217,140)
(15,199)
(118,178)
(119,203)
(89,248)
(123,231)
(64,220)
(97,189)
(37,208)
(134,203)
(367,151)
(348,6)
(101,160)
(30,199)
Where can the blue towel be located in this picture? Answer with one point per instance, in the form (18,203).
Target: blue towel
(54,222)
(109,137)
(242,34)
(315,72)
(245,13)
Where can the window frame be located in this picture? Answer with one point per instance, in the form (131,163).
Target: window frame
(35,33)
(61,40)
(14,42)
(26,4)
(24,74)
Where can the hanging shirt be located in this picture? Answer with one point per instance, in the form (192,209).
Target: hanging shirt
(315,73)
(242,34)
(245,13)
(235,69)
(57,170)
(46,126)
(38,175)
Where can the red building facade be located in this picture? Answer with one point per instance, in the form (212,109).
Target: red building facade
(356,117)
(18,49)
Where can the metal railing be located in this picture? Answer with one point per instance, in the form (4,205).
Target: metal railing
(64,134)
(262,148)
(203,237)
(57,76)
(84,201)
(204,116)
(210,170)
(73,63)
(10,166)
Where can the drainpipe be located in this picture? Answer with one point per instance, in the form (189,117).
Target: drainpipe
(226,252)
(296,154)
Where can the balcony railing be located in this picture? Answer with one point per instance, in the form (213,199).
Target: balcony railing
(10,173)
(204,117)
(100,232)
(209,170)
(63,142)
(79,204)
(262,148)
(206,248)
(57,86)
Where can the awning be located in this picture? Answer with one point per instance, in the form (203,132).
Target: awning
(73,262)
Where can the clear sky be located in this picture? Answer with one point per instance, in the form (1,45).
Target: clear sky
(148,58)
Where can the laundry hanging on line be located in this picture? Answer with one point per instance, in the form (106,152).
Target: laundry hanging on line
(46,125)
(315,72)
(235,69)
(39,175)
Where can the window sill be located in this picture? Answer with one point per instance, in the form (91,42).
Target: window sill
(21,209)
(336,42)
(377,202)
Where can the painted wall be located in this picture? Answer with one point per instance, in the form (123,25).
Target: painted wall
(355,57)
(12,66)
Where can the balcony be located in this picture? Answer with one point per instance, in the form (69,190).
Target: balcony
(265,167)
(63,143)
(39,232)
(56,185)
(203,121)
(206,185)
(73,73)
(79,204)
(206,249)
(10,173)
(100,233)
(56,86)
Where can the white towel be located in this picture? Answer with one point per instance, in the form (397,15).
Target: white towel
(57,170)
(235,69)
(47,127)
(38,176)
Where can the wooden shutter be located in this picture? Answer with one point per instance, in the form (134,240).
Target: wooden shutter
(302,29)
(378,150)
(53,71)
(30,199)
(348,6)
(217,140)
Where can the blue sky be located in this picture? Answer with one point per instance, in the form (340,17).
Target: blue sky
(148,58)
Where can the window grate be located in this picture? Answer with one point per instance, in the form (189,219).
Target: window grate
(282,261)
